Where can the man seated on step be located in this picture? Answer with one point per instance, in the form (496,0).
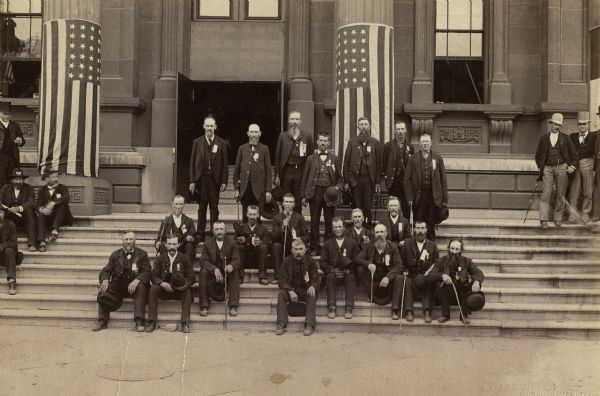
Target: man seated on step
(172,277)
(8,251)
(379,261)
(18,200)
(460,271)
(418,256)
(287,226)
(52,207)
(361,234)
(337,263)
(397,226)
(298,282)
(220,260)
(253,239)
(127,274)
(177,223)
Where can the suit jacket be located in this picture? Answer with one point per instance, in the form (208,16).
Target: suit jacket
(168,226)
(209,254)
(391,162)
(395,267)
(359,239)
(405,233)
(412,180)
(26,197)
(284,148)
(334,256)
(565,145)
(14,131)
(259,230)
(288,266)
(352,161)
(466,275)
(182,264)
(411,257)
(219,160)
(117,262)
(8,236)
(591,140)
(296,223)
(61,196)
(311,168)
(254,168)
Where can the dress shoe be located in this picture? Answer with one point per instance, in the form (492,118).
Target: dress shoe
(331,314)
(12,288)
(275,281)
(42,247)
(557,223)
(395,315)
(100,325)
(409,316)
(308,329)
(32,248)
(53,236)
(544,224)
(348,314)
(443,319)
(150,326)
(465,319)
(280,329)
(139,326)
(185,328)
(263,281)
(204,312)
(427,317)
(233,311)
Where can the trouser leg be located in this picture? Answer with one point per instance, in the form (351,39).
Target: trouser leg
(233,287)
(202,291)
(42,227)
(444,293)
(282,301)
(186,302)
(153,297)
(425,210)
(574,191)
(247,199)
(139,301)
(58,216)
(560,173)
(189,249)
(548,183)
(311,310)
(397,285)
(331,286)
(203,204)
(277,257)
(586,167)
(316,204)
(261,260)
(349,287)
(213,201)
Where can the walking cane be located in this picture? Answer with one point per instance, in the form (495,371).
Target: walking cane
(402,303)
(531,200)
(371,315)
(412,222)
(461,313)
(226,291)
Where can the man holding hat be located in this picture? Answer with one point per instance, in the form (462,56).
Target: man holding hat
(321,184)
(172,277)
(181,225)
(585,143)
(11,138)
(8,251)
(127,274)
(253,239)
(18,200)
(52,207)
(397,225)
(555,158)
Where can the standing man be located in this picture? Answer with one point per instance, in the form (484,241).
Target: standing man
(53,210)
(18,200)
(252,174)
(8,252)
(555,158)
(361,234)
(397,226)
(396,154)
(253,239)
(585,143)
(293,147)
(425,185)
(321,172)
(362,168)
(178,224)
(208,173)
(11,138)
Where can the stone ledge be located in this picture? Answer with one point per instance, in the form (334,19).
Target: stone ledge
(109,157)
(490,163)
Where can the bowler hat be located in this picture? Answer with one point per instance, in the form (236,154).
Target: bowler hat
(277,194)
(583,116)
(333,196)
(557,118)
(419,281)
(441,214)
(474,301)
(48,172)
(268,210)
(17,172)
(382,295)
(4,107)
(347,198)
(296,309)
(110,300)
(178,281)
(216,290)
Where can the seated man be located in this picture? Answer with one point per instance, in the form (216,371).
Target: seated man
(287,226)
(382,259)
(18,200)
(336,262)
(397,226)
(418,256)
(178,224)
(358,231)
(253,239)
(463,273)
(8,251)
(53,210)
(220,257)
(298,281)
(127,274)
(172,277)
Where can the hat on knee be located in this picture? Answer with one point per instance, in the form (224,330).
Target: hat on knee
(216,290)
(296,309)
(382,295)
(475,301)
(178,281)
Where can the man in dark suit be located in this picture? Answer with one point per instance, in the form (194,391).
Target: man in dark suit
(52,207)
(8,251)
(11,138)
(397,226)
(362,168)
(18,200)
(418,256)
(396,154)
(253,240)
(169,269)
(425,185)
(361,234)
(298,281)
(252,174)
(208,173)
(127,274)
(555,157)
(287,227)
(336,261)
(220,258)
(322,170)
(585,143)
(293,147)
(177,223)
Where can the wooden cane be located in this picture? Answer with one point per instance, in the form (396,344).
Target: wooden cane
(461,313)
(371,314)
(226,291)
(402,303)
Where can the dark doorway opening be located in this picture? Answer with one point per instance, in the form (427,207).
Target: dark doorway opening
(235,105)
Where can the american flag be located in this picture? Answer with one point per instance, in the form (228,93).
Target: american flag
(364,81)
(70,97)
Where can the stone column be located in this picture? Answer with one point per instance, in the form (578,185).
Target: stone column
(500,91)
(594,72)
(72,9)
(422,86)
(301,88)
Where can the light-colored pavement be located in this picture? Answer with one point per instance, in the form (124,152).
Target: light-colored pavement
(75,361)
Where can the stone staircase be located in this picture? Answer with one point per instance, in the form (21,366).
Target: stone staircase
(538,282)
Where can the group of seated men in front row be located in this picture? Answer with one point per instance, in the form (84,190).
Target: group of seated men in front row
(391,264)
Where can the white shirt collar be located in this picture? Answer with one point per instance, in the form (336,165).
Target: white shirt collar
(5,124)
(220,244)
(171,259)
(420,244)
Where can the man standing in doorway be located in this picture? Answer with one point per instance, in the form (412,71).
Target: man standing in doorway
(11,138)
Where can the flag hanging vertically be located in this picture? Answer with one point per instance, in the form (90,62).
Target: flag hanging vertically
(70,97)
(364,81)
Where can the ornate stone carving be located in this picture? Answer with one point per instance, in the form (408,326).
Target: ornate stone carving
(76,195)
(460,135)
(101,196)
(27,129)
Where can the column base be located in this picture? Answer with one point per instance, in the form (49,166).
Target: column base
(301,99)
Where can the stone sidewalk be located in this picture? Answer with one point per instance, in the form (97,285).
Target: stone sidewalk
(75,361)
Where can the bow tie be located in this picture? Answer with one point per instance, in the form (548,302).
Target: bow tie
(322,153)
(582,134)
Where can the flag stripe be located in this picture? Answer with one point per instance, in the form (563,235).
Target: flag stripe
(373,77)
(73,127)
(88,129)
(347,107)
(61,47)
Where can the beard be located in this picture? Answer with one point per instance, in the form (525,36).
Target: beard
(172,251)
(454,259)
(420,237)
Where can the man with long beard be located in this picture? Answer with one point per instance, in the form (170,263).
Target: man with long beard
(397,225)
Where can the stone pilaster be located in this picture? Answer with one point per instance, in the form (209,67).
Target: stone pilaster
(500,89)
(72,9)
(501,128)
(422,86)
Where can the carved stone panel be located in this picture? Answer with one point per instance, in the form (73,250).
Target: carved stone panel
(460,135)
(101,196)
(76,195)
